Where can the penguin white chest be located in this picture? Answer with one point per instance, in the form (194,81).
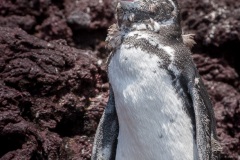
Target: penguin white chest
(152,122)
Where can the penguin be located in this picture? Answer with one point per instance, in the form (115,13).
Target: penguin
(158,107)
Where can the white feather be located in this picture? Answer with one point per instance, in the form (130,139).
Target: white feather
(153,124)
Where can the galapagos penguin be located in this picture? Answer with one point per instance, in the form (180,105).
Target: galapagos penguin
(158,107)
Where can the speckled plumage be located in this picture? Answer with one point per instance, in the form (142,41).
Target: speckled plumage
(158,107)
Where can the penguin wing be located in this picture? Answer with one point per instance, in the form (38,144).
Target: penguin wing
(105,142)
(205,132)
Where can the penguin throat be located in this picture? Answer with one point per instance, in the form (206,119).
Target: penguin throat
(151,25)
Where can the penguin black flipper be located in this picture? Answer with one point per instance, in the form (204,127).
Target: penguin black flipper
(205,131)
(105,142)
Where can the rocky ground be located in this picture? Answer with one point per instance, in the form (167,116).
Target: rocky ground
(53,83)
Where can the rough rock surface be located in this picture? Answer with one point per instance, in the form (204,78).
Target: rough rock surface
(215,22)
(48,91)
(82,23)
(52,95)
(222,82)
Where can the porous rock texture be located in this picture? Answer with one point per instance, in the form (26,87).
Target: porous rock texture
(51,95)
(53,83)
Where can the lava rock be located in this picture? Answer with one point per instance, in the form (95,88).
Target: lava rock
(222,82)
(48,91)
(214,22)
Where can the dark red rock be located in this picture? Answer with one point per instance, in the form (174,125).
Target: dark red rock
(53,25)
(48,91)
(87,14)
(76,148)
(82,24)
(214,22)
(25,22)
(222,82)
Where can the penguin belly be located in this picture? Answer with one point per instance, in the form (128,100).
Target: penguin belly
(153,124)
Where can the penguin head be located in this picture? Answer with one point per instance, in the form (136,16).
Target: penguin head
(141,11)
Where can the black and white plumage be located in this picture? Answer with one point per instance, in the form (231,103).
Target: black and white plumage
(158,106)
